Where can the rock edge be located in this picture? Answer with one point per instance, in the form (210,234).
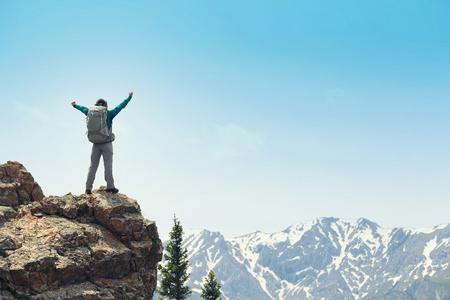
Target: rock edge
(95,246)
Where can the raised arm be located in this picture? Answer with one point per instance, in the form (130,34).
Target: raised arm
(121,106)
(83,109)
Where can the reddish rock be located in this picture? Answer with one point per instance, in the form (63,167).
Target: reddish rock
(17,185)
(73,247)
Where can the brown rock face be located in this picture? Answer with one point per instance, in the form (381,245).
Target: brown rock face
(17,186)
(73,247)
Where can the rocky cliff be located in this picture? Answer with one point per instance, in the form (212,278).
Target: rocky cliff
(73,247)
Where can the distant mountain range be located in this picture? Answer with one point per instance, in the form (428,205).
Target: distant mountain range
(327,258)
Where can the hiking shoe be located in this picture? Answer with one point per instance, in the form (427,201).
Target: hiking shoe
(114,190)
(88,192)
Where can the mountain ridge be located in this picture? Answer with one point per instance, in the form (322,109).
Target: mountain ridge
(329,258)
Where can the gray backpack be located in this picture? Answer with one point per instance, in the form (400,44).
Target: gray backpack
(97,129)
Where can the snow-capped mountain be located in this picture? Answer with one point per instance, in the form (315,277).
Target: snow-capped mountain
(326,258)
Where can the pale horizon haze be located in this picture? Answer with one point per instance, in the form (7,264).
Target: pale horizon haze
(246,115)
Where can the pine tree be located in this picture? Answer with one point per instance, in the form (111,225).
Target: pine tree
(211,288)
(174,274)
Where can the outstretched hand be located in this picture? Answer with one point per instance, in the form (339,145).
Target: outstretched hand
(74,103)
(131,94)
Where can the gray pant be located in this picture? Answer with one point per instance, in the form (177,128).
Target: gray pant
(105,150)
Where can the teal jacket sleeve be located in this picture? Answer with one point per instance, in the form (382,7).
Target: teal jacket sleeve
(115,111)
(83,109)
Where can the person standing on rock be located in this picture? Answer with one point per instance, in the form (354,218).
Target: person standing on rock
(99,123)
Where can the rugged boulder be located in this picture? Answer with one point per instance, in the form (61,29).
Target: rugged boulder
(17,186)
(73,247)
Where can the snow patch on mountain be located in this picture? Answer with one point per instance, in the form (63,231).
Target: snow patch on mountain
(326,258)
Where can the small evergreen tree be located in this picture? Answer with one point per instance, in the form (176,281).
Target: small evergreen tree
(211,288)
(174,274)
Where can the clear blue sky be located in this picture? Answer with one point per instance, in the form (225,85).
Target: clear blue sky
(246,115)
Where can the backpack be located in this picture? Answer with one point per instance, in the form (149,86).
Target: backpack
(97,129)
